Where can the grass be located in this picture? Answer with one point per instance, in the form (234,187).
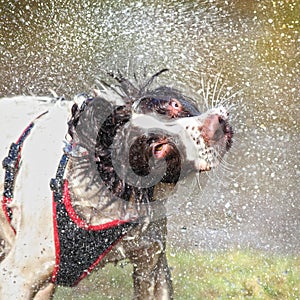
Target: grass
(223,275)
(235,275)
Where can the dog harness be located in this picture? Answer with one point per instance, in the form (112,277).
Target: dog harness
(11,164)
(79,246)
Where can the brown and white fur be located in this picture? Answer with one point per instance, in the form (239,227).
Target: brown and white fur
(160,125)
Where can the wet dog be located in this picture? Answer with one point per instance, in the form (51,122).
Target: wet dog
(101,199)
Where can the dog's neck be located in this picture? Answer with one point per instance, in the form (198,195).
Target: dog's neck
(94,202)
(91,200)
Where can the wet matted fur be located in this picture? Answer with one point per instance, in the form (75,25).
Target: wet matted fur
(124,146)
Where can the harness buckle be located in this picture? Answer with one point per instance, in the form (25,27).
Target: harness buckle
(9,162)
(55,185)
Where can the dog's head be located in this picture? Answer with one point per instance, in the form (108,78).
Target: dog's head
(139,137)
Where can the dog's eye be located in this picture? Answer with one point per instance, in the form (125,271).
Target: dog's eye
(160,150)
(158,147)
(174,108)
(175,104)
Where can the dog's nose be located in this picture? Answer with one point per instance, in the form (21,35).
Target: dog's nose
(213,129)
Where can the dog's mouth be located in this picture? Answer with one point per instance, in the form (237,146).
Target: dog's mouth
(211,137)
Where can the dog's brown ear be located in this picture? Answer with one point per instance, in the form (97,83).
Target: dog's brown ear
(76,112)
(72,123)
(74,109)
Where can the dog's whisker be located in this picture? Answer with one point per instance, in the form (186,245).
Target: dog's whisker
(215,99)
(203,93)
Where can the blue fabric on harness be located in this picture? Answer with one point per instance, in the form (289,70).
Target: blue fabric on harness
(11,165)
